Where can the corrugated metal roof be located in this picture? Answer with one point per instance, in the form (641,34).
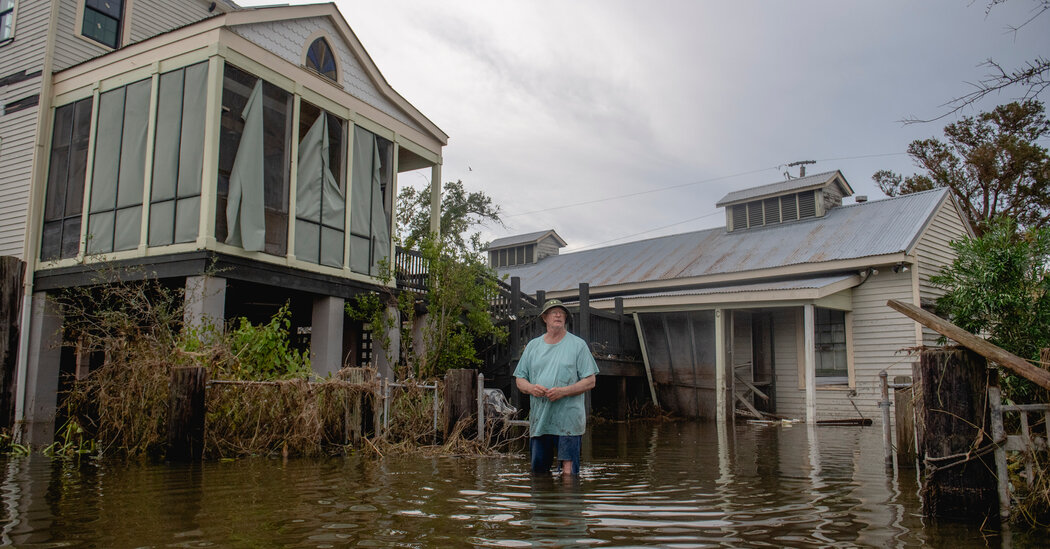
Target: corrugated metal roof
(526,238)
(873,228)
(780,187)
(810,283)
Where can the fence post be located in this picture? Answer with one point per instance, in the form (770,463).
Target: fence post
(585,312)
(481,407)
(186,422)
(887,436)
(460,395)
(995,400)
(515,313)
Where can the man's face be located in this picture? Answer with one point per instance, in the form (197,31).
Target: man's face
(555,318)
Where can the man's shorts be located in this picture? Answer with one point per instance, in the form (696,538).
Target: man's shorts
(544,446)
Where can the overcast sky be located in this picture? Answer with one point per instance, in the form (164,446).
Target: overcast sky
(611,121)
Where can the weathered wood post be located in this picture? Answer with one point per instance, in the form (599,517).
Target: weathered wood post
(585,330)
(460,397)
(12,271)
(904,420)
(186,421)
(585,313)
(515,315)
(960,480)
(359,417)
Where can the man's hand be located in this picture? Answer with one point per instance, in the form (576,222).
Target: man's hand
(554,393)
(531,389)
(538,391)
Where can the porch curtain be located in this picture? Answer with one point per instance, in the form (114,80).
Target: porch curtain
(380,221)
(245,214)
(369,223)
(318,197)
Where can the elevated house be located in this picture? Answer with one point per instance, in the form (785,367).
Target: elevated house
(782,310)
(249,155)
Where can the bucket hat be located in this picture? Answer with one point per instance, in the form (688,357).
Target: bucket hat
(552,303)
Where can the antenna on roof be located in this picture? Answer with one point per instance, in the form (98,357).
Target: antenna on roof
(802,169)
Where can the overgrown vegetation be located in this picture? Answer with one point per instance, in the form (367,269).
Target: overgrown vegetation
(998,287)
(457,324)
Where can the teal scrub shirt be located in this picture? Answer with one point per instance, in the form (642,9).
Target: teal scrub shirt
(557,365)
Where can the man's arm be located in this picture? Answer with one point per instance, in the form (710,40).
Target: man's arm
(530,388)
(578,388)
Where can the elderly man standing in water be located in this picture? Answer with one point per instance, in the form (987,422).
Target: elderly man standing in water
(555,370)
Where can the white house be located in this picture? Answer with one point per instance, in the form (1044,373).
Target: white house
(174,135)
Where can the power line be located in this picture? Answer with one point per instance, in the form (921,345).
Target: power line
(690,184)
(644,232)
(639,193)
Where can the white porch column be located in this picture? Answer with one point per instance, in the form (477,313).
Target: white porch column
(42,371)
(810,351)
(326,336)
(205,302)
(721,356)
(435,199)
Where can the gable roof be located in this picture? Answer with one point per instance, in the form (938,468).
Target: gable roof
(869,229)
(265,14)
(789,186)
(527,238)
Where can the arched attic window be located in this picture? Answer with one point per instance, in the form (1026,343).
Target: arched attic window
(321,58)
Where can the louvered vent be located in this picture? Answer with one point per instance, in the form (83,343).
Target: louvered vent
(739,217)
(772,206)
(789,207)
(807,205)
(754,214)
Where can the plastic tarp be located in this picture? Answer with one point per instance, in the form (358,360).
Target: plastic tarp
(245,215)
(319,200)
(380,221)
(369,224)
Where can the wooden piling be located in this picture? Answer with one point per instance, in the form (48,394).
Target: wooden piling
(186,422)
(12,271)
(960,481)
(904,420)
(460,396)
(359,417)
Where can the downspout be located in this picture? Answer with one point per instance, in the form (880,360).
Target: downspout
(31,245)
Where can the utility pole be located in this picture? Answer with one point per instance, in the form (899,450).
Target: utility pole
(802,169)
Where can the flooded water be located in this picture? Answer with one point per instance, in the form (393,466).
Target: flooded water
(677,484)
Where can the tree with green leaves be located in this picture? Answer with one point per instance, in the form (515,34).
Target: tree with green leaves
(998,286)
(462,212)
(992,163)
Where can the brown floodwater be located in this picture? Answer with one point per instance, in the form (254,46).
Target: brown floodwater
(676,484)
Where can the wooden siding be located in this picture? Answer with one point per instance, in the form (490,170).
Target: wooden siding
(880,335)
(16,167)
(24,54)
(791,401)
(147,18)
(70,47)
(934,252)
(288,40)
(152,17)
(546,248)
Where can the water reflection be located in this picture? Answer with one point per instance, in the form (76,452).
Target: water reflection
(677,484)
